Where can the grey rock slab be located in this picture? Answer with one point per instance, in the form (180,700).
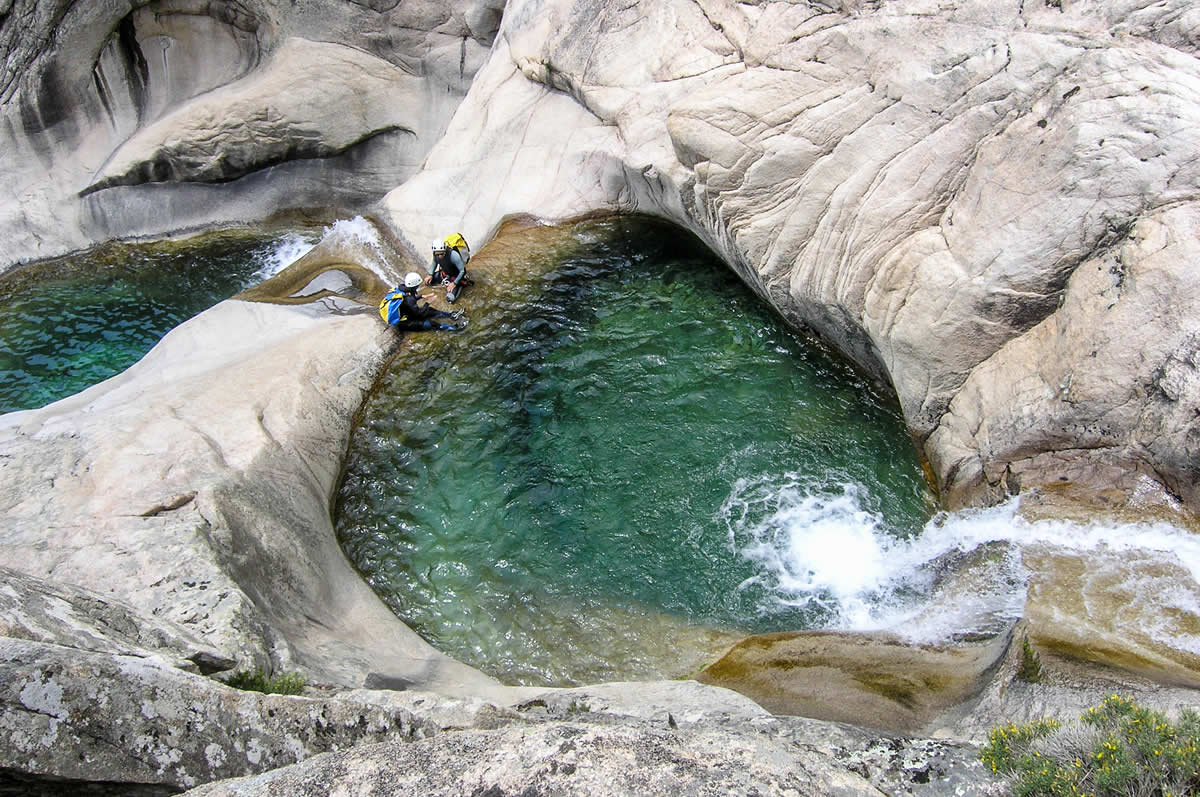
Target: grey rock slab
(197,487)
(71,714)
(599,756)
(40,611)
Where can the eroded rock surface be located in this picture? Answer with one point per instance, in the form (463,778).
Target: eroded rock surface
(928,186)
(93,717)
(132,119)
(35,610)
(991,206)
(586,748)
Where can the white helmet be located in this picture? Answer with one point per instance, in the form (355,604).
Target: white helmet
(412,279)
(437,246)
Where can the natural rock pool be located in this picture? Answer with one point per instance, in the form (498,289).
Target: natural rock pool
(627,463)
(70,323)
(605,475)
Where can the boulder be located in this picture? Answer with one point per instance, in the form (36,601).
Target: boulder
(874,680)
(132,719)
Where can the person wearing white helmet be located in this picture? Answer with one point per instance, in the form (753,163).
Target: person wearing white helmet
(449,266)
(402,309)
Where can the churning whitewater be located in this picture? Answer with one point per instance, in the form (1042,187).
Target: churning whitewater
(816,544)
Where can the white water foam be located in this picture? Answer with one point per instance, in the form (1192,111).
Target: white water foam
(344,235)
(357,240)
(356,230)
(817,545)
(290,248)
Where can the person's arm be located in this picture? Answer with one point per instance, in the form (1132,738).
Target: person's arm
(416,310)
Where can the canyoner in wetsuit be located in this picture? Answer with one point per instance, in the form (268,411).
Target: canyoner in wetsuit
(449,266)
(402,309)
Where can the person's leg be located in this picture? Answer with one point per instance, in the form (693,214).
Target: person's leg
(413,326)
(452,295)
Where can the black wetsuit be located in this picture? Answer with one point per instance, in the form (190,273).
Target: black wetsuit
(449,269)
(402,309)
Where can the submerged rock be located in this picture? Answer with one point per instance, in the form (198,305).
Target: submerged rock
(1130,610)
(873,680)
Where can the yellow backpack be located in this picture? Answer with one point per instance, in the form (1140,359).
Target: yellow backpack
(456,241)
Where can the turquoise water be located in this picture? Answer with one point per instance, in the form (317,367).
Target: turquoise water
(67,325)
(574,483)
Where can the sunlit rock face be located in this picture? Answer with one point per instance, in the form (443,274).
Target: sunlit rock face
(990,206)
(120,119)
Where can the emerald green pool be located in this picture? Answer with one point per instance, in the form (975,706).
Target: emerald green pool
(68,324)
(605,467)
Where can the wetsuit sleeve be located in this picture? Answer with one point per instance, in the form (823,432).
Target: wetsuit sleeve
(414,309)
(424,312)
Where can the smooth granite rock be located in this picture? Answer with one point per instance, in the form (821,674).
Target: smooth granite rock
(121,119)
(939,190)
(989,206)
(196,486)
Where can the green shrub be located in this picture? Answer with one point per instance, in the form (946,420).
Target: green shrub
(1031,664)
(1007,744)
(258,681)
(289,683)
(1118,748)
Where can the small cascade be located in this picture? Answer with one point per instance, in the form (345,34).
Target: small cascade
(816,545)
(346,261)
(357,241)
(290,248)
(69,323)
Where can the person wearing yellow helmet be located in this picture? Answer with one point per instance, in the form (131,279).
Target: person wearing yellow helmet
(401,308)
